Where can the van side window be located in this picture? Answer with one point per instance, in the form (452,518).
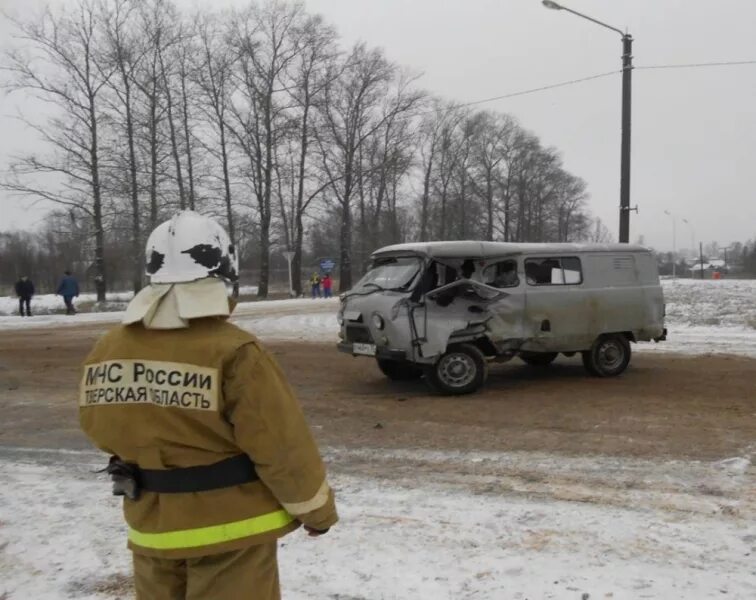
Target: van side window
(553,271)
(502,274)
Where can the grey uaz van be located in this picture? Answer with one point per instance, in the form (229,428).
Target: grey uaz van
(443,310)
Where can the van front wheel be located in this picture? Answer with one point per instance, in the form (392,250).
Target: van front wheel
(399,370)
(461,370)
(609,355)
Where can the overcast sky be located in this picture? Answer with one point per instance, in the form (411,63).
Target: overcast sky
(694,130)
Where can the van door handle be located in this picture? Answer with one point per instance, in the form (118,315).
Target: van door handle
(545,325)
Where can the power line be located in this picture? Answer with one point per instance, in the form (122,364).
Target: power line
(539,89)
(730,63)
(582,80)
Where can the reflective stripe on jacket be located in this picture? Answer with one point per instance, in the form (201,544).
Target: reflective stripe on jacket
(185,397)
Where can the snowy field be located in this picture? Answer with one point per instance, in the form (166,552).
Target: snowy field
(445,526)
(710,316)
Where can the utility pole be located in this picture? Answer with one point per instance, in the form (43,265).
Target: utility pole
(627,70)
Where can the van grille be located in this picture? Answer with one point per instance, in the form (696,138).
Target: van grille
(358,334)
(622,263)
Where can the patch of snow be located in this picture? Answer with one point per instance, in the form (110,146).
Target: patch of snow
(709,302)
(736,464)
(466,531)
(699,340)
(50,304)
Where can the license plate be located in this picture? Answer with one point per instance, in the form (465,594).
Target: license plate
(366,349)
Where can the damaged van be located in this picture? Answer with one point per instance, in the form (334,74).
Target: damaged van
(444,310)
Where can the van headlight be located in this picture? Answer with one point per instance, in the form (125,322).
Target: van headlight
(378,322)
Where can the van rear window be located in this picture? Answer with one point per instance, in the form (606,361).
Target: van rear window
(562,270)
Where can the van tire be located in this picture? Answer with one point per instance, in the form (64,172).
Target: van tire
(609,355)
(399,370)
(538,359)
(462,369)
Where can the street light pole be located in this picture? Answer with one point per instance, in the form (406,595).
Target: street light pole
(692,236)
(627,69)
(674,243)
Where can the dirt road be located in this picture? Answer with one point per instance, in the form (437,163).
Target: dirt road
(665,406)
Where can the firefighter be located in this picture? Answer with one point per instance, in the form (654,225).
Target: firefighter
(208,445)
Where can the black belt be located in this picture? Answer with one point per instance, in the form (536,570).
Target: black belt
(225,473)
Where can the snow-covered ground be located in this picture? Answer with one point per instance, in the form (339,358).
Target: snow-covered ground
(448,526)
(437,525)
(51,304)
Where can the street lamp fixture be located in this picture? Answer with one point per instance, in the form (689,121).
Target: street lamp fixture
(627,68)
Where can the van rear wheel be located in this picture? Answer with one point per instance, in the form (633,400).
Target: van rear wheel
(399,370)
(538,359)
(609,355)
(462,369)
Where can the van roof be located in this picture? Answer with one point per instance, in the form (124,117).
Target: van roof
(477,249)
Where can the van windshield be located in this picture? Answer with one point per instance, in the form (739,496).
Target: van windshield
(391,274)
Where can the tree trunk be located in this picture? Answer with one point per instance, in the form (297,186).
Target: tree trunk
(187,139)
(100,279)
(136,233)
(425,200)
(296,265)
(345,241)
(172,130)
(153,159)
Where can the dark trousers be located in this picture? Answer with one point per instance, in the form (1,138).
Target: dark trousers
(24,301)
(246,574)
(70,310)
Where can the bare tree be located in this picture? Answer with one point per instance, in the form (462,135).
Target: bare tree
(64,64)
(125,52)
(309,76)
(263,43)
(213,78)
(352,111)
(494,133)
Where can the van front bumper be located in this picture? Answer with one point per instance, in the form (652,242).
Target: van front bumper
(380,351)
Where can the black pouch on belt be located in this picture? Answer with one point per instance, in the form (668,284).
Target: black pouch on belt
(125,477)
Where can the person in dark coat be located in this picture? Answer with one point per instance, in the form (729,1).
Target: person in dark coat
(69,289)
(24,291)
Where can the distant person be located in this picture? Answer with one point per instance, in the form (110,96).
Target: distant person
(24,291)
(69,289)
(327,285)
(315,285)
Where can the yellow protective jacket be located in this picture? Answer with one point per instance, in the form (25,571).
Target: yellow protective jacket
(194,396)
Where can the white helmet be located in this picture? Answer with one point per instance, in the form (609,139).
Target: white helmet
(190,247)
